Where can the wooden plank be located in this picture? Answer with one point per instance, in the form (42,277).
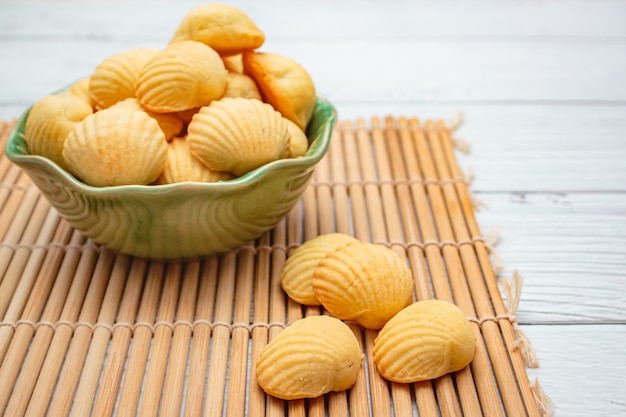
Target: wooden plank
(581,368)
(327,19)
(402,71)
(570,249)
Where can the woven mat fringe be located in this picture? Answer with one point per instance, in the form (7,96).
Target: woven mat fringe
(546,406)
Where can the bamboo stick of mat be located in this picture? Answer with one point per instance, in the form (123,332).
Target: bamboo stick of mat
(96,354)
(161,339)
(35,223)
(310,229)
(277,301)
(34,285)
(358,395)
(490,278)
(295,219)
(194,399)
(444,386)
(505,376)
(60,343)
(218,365)
(366,215)
(67,293)
(259,334)
(240,333)
(438,228)
(79,355)
(337,401)
(15,183)
(141,335)
(173,388)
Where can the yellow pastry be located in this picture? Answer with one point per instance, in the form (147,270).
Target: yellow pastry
(424,341)
(367,283)
(116,147)
(233,63)
(182,166)
(298,141)
(240,85)
(297,275)
(81,89)
(182,76)
(237,135)
(114,78)
(224,28)
(170,123)
(311,357)
(283,83)
(50,121)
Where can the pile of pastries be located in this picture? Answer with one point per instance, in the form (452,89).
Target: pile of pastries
(209,106)
(372,286)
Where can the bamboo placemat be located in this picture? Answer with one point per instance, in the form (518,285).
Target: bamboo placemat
(85,331)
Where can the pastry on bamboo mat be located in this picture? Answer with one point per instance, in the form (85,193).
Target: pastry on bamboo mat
(86,331)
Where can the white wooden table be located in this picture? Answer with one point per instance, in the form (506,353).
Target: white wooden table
(542,86)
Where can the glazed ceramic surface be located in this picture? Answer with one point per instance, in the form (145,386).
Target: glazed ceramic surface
(184,220)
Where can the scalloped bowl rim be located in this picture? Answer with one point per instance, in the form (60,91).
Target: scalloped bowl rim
(317,149)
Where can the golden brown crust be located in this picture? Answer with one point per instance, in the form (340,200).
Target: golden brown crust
(297,274)
(311,357)
(283,83)
(182,76)
(424,341)
(364,282)
(226,29)
(237,135)
(114,78)
(240,85)
(298,141)
(182,166)
(50,121)
(170,123)
(116,147)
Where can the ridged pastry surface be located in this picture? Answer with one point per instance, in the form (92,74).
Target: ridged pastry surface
(311,357)
(297,274)
(283,83)
(182,76)
(114,78)
(182,166)
(237,135)
(424,341)
(49,123)
(224,28)
(240,85)
(367,283)
(116,147)
(298,141)
(170,123)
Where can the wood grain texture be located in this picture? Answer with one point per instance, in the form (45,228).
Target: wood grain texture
(570,249)
(424,70)
(581,368)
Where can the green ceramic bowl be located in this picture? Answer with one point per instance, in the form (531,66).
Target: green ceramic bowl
(184,220)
